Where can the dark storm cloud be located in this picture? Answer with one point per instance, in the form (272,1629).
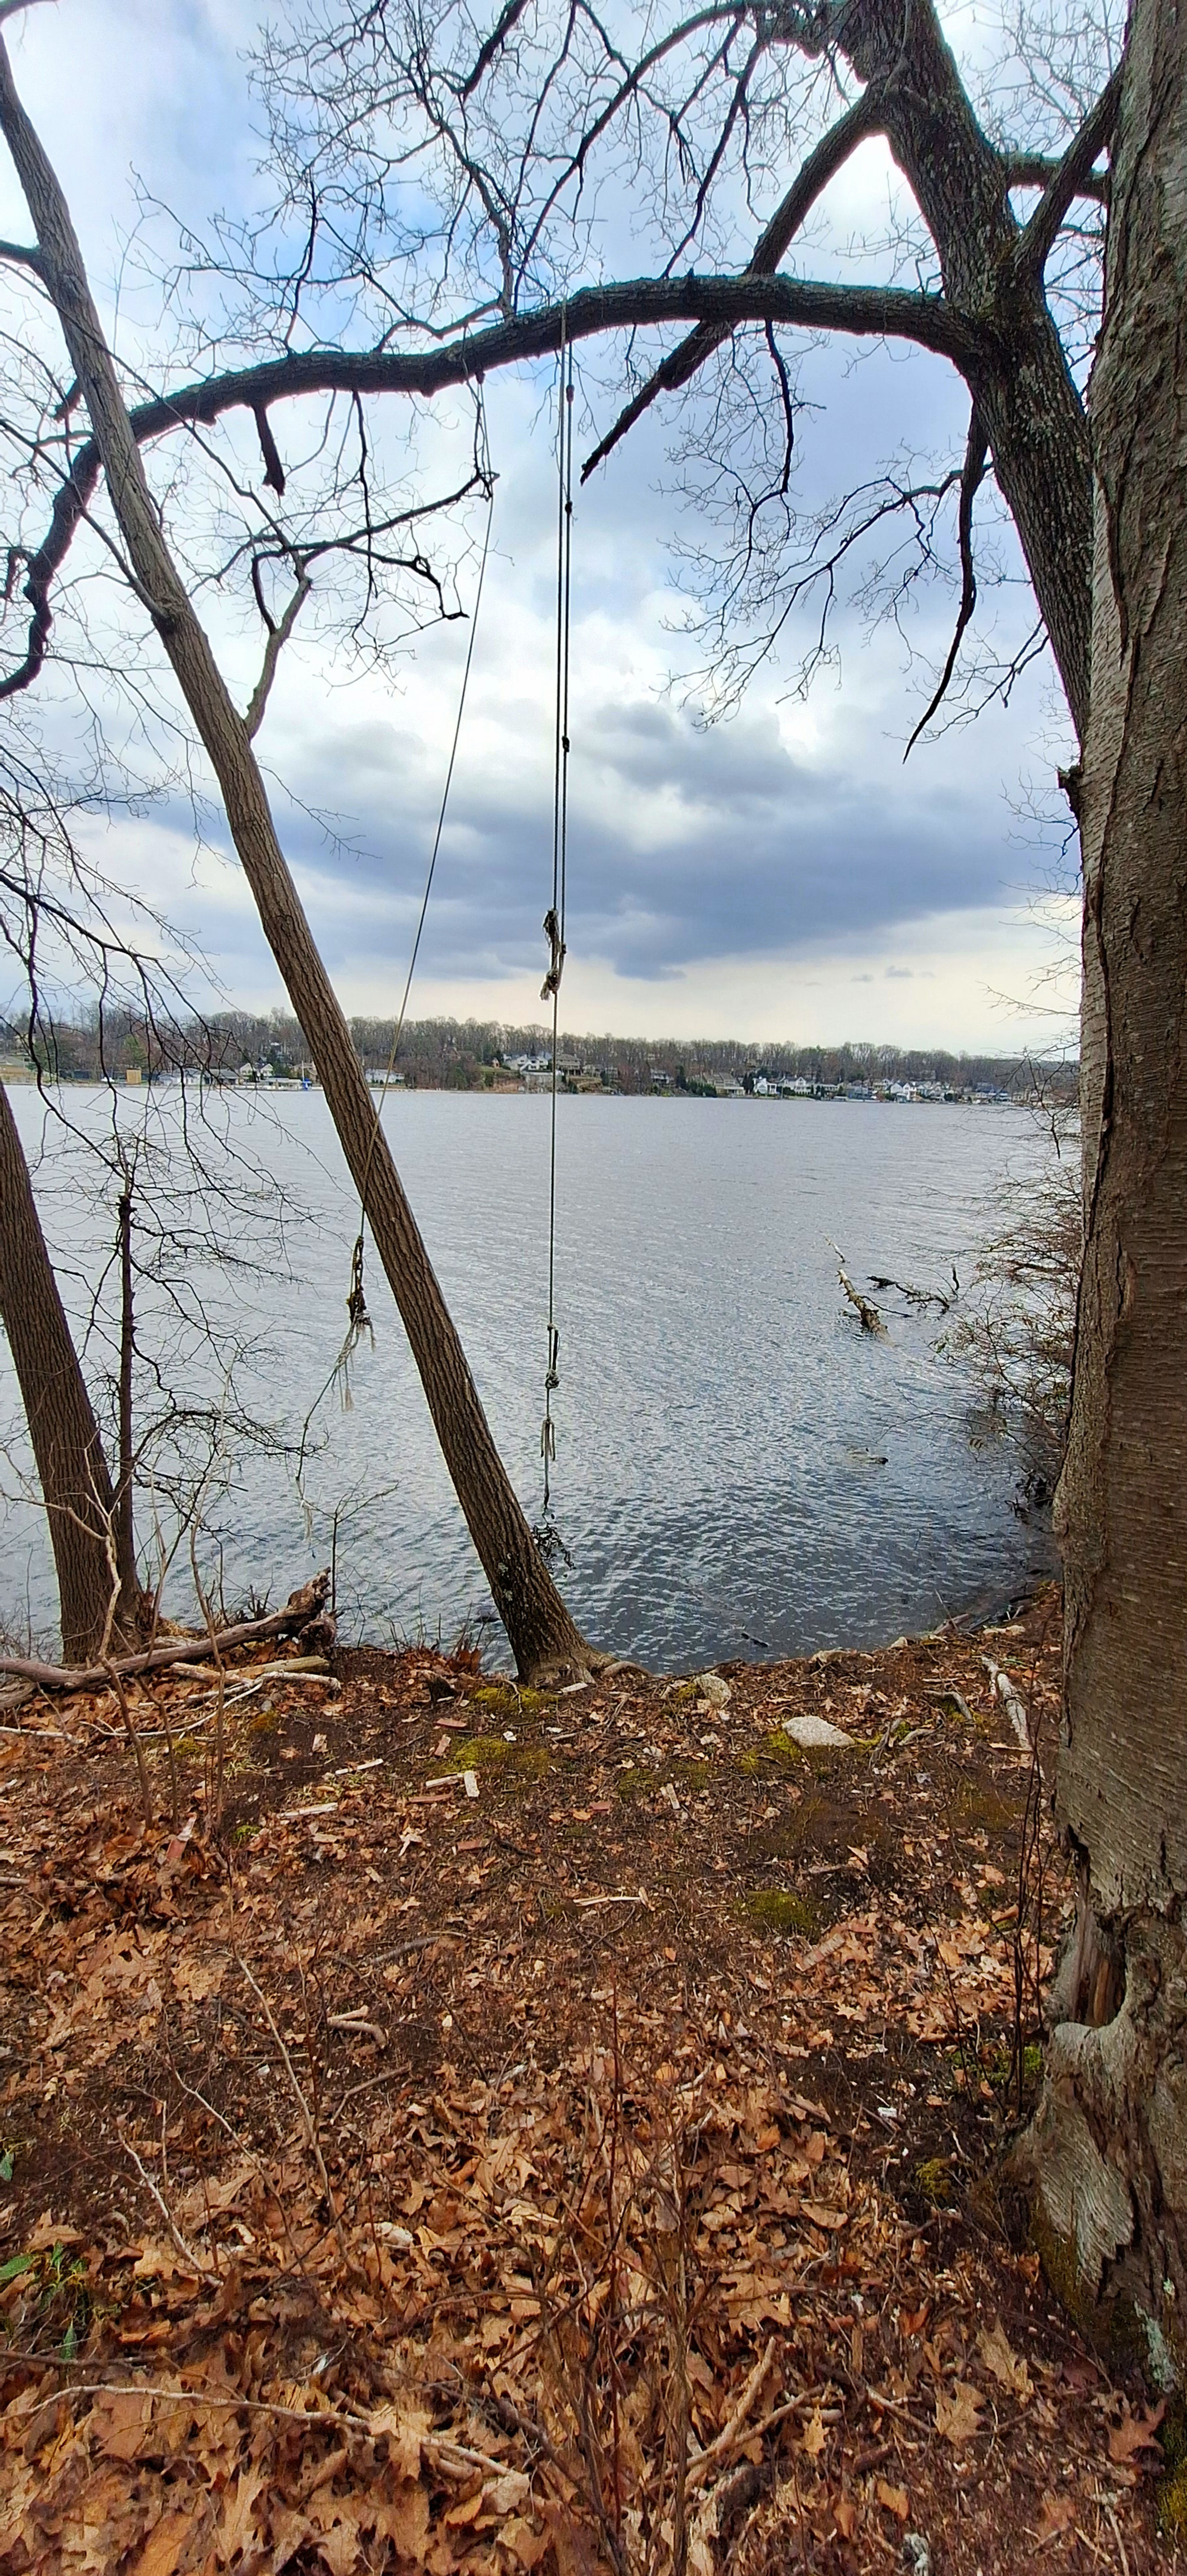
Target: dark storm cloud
(684,846)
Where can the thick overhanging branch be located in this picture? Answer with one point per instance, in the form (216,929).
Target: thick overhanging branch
(811,180)
(720,303)
(1038,236)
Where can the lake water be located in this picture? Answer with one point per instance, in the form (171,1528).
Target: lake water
(740,1471)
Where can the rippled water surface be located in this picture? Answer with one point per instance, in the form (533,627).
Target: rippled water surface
(740,1470)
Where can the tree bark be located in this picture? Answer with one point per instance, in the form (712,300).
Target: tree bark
(1106,2158)
(1029,405)
(543,1635)
(75,1482)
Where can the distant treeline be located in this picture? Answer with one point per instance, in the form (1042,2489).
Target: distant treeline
(463,1055)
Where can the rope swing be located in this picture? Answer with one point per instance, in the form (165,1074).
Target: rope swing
(547,1537)
(359,1322)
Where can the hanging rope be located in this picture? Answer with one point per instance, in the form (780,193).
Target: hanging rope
(359,1321)
(554,918)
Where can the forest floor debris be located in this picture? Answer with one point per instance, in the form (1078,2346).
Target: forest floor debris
(541,2131)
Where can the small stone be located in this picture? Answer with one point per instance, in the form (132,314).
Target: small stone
(813,1733)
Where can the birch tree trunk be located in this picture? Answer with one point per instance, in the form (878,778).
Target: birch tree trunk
(543,1635)
(75,1482)
(1107,2154)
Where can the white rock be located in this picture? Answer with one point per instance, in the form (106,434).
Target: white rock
(713,1689)
(812,1733)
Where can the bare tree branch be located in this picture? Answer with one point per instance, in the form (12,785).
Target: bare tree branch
(278,636)
(1036,240)
(1038,169)
(971,478)
(821,165)
(867,312)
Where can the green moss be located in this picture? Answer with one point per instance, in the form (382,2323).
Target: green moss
(933,2181)
(981,1810)
(692,1775)
(1172,2435)
(635,1782)
(499,1698)
(1171,2508)
(1057,2255)
(493,1753)
(775,1909)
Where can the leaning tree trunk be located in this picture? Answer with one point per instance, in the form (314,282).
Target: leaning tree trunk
(75,1484)
(542,1633)
(1107,2154)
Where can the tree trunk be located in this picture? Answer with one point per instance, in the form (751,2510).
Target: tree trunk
(1106,2158)
(1029,406)
(75,1483)
(125,1515)
(543,1635)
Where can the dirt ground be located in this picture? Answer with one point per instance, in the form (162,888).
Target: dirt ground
(550,2133)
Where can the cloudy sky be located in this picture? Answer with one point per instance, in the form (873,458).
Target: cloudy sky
(779,875)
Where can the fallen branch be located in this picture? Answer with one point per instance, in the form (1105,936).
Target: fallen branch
(300,1608)
(1014,1705)
(871,1320)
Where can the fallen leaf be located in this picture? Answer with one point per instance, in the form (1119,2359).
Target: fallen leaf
(1135,2433)
(164,2546)
(894,2499)
(235,2534)
(1007,2367)
(814,2434)
(845,2516)
(525,2543)
(957,2415)
(1056,2514)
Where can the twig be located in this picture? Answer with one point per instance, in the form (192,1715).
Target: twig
(203,2270)
(702,2461)
(1111,2519)
(311,2137)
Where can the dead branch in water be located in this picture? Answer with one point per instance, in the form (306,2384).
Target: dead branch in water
(871,1320)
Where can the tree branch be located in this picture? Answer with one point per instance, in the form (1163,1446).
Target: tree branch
(273,469)
(723,303)
(971,478)
(1038,169)
(822,164)
(278,636)
(1036,240)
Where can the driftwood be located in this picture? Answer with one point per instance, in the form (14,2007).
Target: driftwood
(305,1608)
(871,1321)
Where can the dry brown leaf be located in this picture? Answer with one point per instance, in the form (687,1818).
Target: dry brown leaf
(1056,2514)
(526,2544)
(957,2415)
(235,2525)
(1135,2433)
(845,2516)
(895,2499)
(118,2423)
(814,2435)
(165,2545)
(1007,2367)
(403,2519)
(404,2429)
(575,2552)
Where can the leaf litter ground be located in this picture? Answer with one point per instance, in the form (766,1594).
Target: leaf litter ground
(540,2132)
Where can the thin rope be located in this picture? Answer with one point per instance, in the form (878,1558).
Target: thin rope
(554,919)
(359,1321)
